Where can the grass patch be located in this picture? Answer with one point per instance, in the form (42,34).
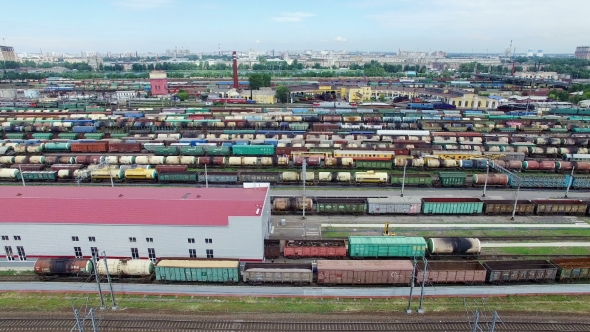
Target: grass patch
(58,302)
(14,273)
(538,251)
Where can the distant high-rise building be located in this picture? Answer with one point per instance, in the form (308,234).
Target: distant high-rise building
(540,53)
(582,52)
(530,52)
(7,53)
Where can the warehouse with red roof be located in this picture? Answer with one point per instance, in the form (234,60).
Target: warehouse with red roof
(132,222)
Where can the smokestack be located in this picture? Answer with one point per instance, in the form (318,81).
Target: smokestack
(235,60)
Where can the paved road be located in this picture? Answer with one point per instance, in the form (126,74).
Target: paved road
(209,290)
(534,244)
(426,192)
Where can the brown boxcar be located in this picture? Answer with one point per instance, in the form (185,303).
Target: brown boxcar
(316,248)
(277,273)
(29,167)
(351,272)
(171,168)
(124,147)
(571,269)
(272,249)
(559,206)
(505,206)
(85,147)
(452,272)
(522,270)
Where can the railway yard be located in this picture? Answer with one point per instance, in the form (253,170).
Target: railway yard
(457,200)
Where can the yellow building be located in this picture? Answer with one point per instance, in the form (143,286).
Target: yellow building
(262,96)
(356,95)
(473,101)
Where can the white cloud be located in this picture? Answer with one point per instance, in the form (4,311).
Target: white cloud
(292,17)
(141,4)
(339,39)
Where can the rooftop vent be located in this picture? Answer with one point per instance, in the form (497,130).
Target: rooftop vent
(19,194)
(120,195)
(186,196)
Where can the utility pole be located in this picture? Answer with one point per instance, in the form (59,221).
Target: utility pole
(409,310)
(404,178)
(485,186)
(567,189)
(106,266)
(476,321)
(304,178)
(206,178)
(24,185)
(515,201)
(420,310)
(95,262)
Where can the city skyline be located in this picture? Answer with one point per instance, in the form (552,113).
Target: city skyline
(454,26)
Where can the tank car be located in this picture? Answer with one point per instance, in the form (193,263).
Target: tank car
(453,246)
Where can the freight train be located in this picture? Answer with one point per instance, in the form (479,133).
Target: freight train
(322,272)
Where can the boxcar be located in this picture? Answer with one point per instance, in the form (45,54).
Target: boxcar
(419,179)
(571,269)
(85,147)
(386,246)
(272,249)
(336,205)
(443,205)
(522,270)
(277,273)
(452,272)
(560,206)
(394,205)
(179,177)
(218,177)
(315,249)
(253,150)
(452,179)
(224,271)
(260,177)
(501,206)
(392,272)
(373,164)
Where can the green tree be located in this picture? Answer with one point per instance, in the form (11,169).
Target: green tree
(258,81)
(182,95)
(381,97)
(282,94)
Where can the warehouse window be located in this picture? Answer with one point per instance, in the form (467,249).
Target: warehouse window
(209,253)
(75,238)
(91,239)
(149,239)
(5,237)
(208,240)
(152,254)
(78,252)
(21,253)
(17,237)
(94,251)
(134,253)
(9,254)
(192,253)
(191,240)
(132,239)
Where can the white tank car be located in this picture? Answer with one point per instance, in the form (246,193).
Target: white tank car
(454,246)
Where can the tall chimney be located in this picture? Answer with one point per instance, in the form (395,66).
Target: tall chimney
(235,60)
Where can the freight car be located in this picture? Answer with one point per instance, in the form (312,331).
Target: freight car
(350,272)
(283,273)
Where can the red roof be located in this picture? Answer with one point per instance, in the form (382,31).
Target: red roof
(129,205)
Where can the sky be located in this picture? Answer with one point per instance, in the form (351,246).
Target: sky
(466,26)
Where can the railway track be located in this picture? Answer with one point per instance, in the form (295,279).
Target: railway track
(112,324)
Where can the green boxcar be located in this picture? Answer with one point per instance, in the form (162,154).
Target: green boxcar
(40,176)
(192,150)
(452,179)
(373,164)
(420,179)
(444,205)
(340,206)
(218,150)
(218,177)
(71,136)
(299,126)
(184,177)
(46,136)
(119,135)
(253,150)
(386,246)
(198,270)
(94,135)
(162,150)
(15,136)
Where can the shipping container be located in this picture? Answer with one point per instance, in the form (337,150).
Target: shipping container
(559,206)
(418,179)
(571,269)
(521,270)
(452,179)
(451,272)
(350,272)
(177,177)
(336,205)
(272,249)
(501,206)
(444,205)
(189,270)
(394,205)
(315,249)
(386,246)
(259,273)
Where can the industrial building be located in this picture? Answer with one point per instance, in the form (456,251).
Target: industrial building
(158,83)
(7,53)
(582,52)
(126,222)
